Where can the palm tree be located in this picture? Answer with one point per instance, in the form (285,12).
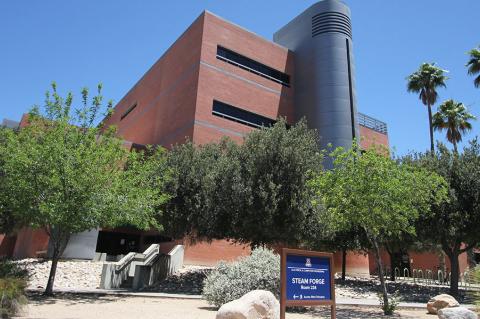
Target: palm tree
(454,117)
(474,65)
(425,81)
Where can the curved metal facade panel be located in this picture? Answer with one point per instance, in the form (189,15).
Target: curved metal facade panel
(324,79)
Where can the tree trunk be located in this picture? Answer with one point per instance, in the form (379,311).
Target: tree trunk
(392,265)
(455,268)
(455,149)
(51,277)
(344,263)
(59,240)
(432,145)
(442,264)
(381,276)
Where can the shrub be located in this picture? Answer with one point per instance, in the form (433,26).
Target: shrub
(12,297)
(230,281)
(13,280)
(393,302)
(476,281)
(11,269)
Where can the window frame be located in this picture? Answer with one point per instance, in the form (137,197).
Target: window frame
(252,66)
(221,109)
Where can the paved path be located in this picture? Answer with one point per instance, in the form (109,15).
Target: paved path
(130,293)
(75,306)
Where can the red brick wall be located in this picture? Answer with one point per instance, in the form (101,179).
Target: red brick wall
(208,254)
(29,242)
(369,137)
(357,264)
(233,85)
(7,244)
(427,260)
(165,95)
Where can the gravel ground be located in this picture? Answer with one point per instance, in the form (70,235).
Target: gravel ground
(189,280)
(70,274)
(83,307)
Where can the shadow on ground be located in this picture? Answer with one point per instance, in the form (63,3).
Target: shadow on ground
(190,283)
(407,292)
(352,313)
(70,299)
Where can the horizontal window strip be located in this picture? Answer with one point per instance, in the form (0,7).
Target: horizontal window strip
(253,66)
(241,116)
(130,109)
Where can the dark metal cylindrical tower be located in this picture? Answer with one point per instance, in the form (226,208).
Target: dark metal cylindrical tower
(324,81)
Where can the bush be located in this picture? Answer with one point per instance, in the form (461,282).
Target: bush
(11,269)
(13,281)
(476,281)
(230,281)
(393,302)
(12,297)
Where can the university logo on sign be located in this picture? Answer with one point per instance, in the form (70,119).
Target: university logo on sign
(308,263)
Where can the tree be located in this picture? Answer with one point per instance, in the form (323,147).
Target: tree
(454,224)
(396,246)
(453,117)
(351,239)
(7,223)
(474,65)
(252,193)
(425,81)
(370,191)
(62,175)
(204,181)
(276,164)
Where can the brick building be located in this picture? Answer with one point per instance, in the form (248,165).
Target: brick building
(219,79)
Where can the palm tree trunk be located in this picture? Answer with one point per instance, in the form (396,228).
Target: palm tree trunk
(455,147)
(432,146)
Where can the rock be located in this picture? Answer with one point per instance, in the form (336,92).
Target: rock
(456,313)
(257,304)
(441,301)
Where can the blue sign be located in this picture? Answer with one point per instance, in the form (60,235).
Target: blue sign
(308,278)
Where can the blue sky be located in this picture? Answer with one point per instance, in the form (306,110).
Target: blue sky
(80,43)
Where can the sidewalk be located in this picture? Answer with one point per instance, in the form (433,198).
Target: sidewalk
(129,293)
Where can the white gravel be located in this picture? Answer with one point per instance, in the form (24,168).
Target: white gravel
(79,274)
(74,274)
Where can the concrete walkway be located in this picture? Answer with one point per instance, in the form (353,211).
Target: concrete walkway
(130,293)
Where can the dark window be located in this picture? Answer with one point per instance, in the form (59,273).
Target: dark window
(130,109)
(240,116)
(252,66)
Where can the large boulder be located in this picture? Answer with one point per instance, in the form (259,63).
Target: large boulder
(440,302)
(257,304)
(456,313)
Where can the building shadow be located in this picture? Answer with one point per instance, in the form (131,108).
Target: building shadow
(70,299)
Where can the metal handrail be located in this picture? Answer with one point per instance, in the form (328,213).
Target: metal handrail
(372,123)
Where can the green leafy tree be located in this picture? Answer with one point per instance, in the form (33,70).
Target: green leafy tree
(425,81)
(454,224)
(7,221)
(453,117)
(276,164)
(474,65)
(63,174)
(370,191)
(344,240)
(252,193)
(204,179)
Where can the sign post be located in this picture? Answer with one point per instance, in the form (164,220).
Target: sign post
(306,280)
